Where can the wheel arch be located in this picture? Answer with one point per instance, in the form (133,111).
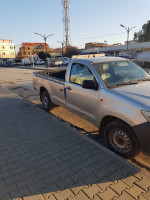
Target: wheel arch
(42,89)
(111,119)
(108,119)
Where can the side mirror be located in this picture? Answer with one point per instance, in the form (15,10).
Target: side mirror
(90,84)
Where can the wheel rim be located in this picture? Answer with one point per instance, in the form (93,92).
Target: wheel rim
(120,141)
(45,102)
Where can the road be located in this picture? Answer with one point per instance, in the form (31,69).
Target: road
(20,81)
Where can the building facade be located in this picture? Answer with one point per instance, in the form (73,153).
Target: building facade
(7,49)
(28,49)
(92,45)
(121,50)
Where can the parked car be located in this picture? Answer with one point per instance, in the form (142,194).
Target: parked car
(39,62)
(1,64)
(58,62)
(112,93)
(18,64)
(66,61)
(143,59)
(8,64)
(26,62)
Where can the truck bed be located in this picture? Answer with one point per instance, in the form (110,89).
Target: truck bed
(57,74)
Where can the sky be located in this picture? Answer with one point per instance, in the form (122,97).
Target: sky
(91,20)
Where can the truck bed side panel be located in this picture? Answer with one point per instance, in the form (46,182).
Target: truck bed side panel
(54,87)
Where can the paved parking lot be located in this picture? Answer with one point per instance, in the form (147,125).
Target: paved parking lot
(42,158)
(20,82)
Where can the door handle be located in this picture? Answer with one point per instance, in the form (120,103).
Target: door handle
(68,88)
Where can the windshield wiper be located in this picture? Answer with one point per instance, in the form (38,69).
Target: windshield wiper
(128,83)
(122,84)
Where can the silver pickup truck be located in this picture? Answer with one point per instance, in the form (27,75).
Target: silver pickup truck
(112,93)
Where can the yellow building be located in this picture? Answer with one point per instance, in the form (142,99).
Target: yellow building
(7,49)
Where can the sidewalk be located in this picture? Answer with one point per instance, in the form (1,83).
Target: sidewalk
(43,158)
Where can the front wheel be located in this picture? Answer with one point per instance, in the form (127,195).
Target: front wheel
(121,139)
(46,101)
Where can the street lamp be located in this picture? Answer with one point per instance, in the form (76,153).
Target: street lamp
(128,31)
(45,38)
(62,44)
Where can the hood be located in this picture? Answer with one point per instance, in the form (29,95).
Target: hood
(139,93)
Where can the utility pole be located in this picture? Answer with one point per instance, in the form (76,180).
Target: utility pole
(62,47)
(128,31)
(66,21)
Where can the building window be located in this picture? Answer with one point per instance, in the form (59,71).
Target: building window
(3,47)
(11,47)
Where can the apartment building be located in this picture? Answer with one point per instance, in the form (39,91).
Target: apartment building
(92,45)
(28,49)
(7,49)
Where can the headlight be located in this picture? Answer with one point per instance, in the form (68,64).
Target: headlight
(146,114)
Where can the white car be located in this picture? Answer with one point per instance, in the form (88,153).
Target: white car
(40,62)
(66,61)
(58,62)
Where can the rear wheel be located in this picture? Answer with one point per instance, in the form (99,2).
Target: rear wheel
(46,101)
(121,139)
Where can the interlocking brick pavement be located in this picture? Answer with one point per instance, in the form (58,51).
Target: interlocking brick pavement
(42,158)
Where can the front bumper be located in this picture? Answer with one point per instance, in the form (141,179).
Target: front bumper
(143,133)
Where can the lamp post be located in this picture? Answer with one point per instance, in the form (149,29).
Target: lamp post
(128,31)
(45,38)
(62,48)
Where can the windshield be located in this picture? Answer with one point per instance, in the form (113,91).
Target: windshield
(120,73)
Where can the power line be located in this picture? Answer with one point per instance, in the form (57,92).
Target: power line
(105,35)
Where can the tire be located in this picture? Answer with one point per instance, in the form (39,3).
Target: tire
(121,139)
(46,101)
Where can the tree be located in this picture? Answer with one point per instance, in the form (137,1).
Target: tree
(70,51)
(144,34)
(42,55)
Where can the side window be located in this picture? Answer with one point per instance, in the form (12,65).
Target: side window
(79,73)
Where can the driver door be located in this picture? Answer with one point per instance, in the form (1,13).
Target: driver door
(81,101)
